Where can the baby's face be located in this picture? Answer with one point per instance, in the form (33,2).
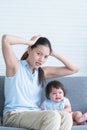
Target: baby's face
(56,95)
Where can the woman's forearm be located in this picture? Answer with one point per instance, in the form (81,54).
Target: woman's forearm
(12,40)
(67,62)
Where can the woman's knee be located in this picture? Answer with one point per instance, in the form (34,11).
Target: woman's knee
(68,117)
(53,115)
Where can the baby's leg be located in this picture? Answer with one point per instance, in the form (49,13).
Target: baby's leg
(83,118)
(76,115)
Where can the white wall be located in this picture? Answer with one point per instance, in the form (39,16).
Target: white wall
(64,22)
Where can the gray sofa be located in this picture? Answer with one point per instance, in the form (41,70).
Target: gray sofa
(76,91)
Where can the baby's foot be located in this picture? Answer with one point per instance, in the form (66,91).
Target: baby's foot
(83,118)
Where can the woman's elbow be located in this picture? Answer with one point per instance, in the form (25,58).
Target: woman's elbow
(76,69)
(4,38)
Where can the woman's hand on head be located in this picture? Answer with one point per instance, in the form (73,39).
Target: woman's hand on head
(52,52)
(34,39)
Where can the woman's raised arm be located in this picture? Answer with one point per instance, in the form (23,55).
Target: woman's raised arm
(68,67)
(10,58)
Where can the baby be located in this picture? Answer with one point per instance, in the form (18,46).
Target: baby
(56,100)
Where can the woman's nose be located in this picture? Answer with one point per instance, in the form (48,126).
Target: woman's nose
(41,59)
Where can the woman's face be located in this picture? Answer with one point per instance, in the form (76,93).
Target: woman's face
(56,95)
(38,55)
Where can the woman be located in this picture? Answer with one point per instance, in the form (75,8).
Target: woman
(23,82)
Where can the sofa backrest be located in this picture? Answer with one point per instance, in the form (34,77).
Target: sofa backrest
(76,91)
(1,94)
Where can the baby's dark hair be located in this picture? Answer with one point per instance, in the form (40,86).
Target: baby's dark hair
(41,41)
(53,84)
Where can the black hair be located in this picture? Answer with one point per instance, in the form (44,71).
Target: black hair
(53,84)
(41,41)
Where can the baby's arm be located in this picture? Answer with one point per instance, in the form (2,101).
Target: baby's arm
(67,106)
(43,106)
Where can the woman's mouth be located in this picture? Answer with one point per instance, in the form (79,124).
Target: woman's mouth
(37,64)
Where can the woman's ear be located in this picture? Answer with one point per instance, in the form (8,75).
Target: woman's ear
(28,49)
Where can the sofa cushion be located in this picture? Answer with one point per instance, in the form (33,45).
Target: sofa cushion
(79,127)
(11,128)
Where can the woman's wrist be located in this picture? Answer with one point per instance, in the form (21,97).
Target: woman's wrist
(53,53)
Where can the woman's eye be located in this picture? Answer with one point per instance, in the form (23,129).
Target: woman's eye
(38,53)
(46,57)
